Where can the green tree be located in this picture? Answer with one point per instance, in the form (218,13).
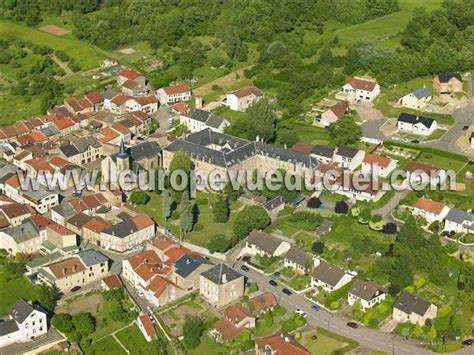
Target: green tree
(231,193)
(219,243)
(365,216)
(186,218)
(139,198)
(192,331)
(220,209)
(250,218)
(180,162)
(345,131)
(260,121)
(46,297)
(403,269)
(325,55)
(166,201)
(63,323)
(84,324)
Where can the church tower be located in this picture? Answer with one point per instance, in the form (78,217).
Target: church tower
(123,158)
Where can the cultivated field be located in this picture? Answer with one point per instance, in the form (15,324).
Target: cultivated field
(54,30)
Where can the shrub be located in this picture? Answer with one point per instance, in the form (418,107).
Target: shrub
(219,243)
(334,305)
(216,87)
(139,198)
(306,220)
(198,227)
(318,247)
(250,218)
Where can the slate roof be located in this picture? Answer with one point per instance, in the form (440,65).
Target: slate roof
(91,257)
(347,151)
(297,256)
(274,203)
(217,273)
(328,273)
(187,264)
(366,290)
(7,327)
(421,92)
(460,217)
(266,242)
(409,303)
(122,229)
(25,231)
(21,310)
(445,77)
(140,151)
(413,119)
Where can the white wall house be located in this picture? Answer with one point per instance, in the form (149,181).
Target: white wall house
(348,157)
(417,99)
(367,293)
(241,99)
(423,126)
(378,166)
(25,322)
(170,94)
(199,120)
(361,89)
(459,221)
(298,260)
(430,210)
(332,114)
(413,309)
(329,277)
(263,244)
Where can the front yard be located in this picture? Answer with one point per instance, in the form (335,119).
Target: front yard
(327,342)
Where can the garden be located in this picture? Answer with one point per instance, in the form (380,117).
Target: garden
(324,342)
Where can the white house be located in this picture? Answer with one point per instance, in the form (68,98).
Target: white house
(430,210)
(332,114)
(423,126)
(199,120)
(413,309)
(459,221)
(471,138)
(259,243)
(329,277)
(367,293)
(378,166)
(361,89)
(170,94)
(147,104)
(298,260)
(24,323)
(416,99)
(241,99)
(348,157)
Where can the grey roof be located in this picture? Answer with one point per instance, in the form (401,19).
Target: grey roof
(50,131)
(297,256)
(413,119)
(23,232)
(209,118)
(323,150)
(421,92)
(91,257)
(83,143)
(109,94)
(461,217)
(347,151)
(327,273)
(266,242)
(37,195)
(8,326)
(366,290)
(233,150)
(122,229)
(8,169)
(221,274)
(445,77)
(69,150)
(64,209)
(21,310)
(274,203)
(409,303)
(187,264)
(141,151)
(79,219)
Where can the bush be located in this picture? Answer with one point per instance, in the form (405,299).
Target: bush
(216,87)
(139,198)
(198,227)
(250,218)
(318,247)
(306,220)
(219,243)
(217,62)
(334,305)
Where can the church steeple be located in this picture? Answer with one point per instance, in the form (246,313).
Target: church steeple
(122,151)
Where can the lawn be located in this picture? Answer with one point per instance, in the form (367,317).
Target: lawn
(133,339)
(306,132)
(13,288)
(299,282)
(15,108)
(104,346)
(105,325)
(327,342)
(85,55)
(440,161)
(231,115)
(204,229)
(208,346)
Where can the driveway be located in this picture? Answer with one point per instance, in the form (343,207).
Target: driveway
(162,116)
(371,129)
(386,210)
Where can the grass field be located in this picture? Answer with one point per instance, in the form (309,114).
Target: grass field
(85,55)
(134,341)
(104,346)
(327,342)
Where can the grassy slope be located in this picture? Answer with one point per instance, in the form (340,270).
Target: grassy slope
(11,290)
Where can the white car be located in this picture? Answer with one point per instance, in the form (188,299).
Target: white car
(301,312)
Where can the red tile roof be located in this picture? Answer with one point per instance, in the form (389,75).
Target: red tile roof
(14,210)
(247,91)
(415,166)
(148,325)
(146,100)
(262,302)
(143,221)
(120,128)
(63,123)
(236,313)
(180,107)
(129,74)
(120,99)
(94,97)
(377,160)
(97,225)
(67,267)
(340,109)
(304,148)
(282,344)
(179,88)
(226,329)
(429,205)
(148,256)
(362,84)
(112,281)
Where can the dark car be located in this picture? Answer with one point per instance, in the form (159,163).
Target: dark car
(415,141)
(465,128)
(244,268)
(468,342)
(353,325)
(75,288)
(272,282)
(315,307)
(287,292)
(276,274)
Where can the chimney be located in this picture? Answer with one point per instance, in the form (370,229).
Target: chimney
(224,278)
(198,101)
(287,339)
(64,271)
(257,138)
(365,286)
(74,267)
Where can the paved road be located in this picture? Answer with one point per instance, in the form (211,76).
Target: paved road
(386,210)
(162,116)
(51,337)
(366,337)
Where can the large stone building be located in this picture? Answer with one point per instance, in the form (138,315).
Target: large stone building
(221,285)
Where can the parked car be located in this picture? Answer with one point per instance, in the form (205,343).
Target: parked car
(301,312)
(140,293)
(272,282)
(353,325)
(244,268)
(415,141)
(315,307)
(276,274)
(75,288)
(468,342)
(287,292)
(465,128)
